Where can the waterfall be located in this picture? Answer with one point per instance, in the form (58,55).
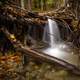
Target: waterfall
(57,47)
(52,36)
(54,32)
(51,33)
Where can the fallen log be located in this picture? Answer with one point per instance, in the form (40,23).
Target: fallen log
(40,55)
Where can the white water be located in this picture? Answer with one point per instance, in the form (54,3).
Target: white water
(57,48)
(51,33)
(54,32)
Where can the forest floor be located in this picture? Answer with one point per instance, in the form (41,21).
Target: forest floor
(11,66)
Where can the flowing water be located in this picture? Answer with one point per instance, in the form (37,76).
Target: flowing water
(54,32)
(57,47)
(52,35)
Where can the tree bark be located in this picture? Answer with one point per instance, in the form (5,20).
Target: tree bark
(22,4)
(29,5)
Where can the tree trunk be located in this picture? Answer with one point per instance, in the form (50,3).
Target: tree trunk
(29,5)
(42,5)
(22,4)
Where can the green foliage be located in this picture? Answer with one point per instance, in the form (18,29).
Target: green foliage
(45,5)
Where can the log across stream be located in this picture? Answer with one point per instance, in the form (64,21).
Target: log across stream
(38,54)
(19,25)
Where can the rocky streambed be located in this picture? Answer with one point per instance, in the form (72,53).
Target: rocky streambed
(12,67)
